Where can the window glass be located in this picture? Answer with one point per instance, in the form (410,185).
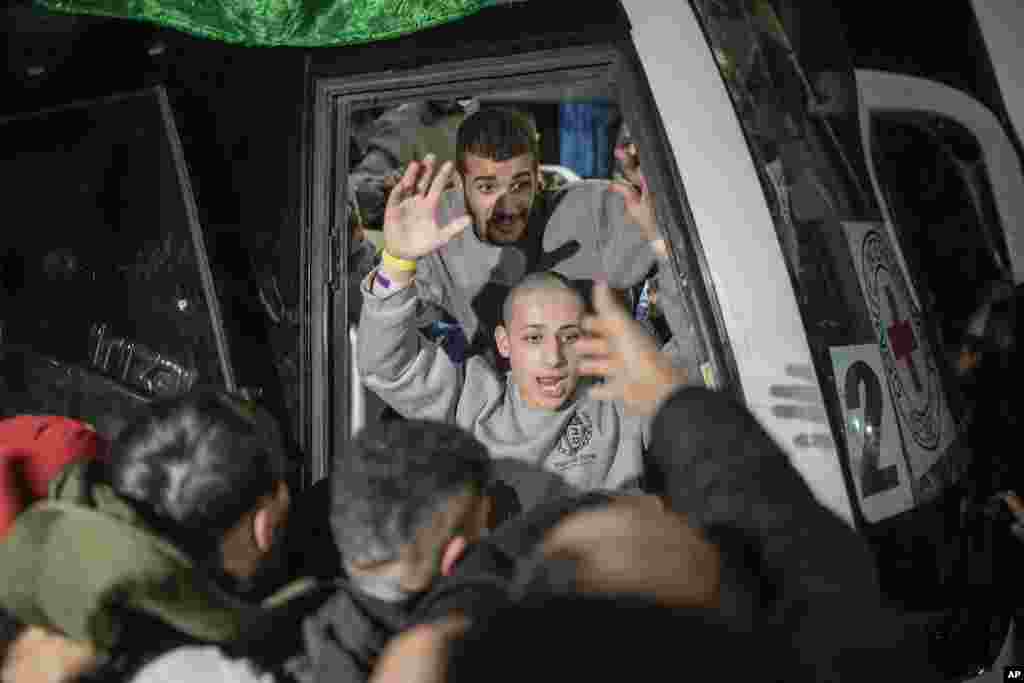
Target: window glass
(874,347)
(101,267)
(934,179)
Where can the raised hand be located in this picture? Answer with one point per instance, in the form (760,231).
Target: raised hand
(620,350)
(634,190)
(411,230)
(627,153)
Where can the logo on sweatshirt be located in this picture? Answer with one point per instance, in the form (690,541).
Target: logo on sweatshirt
(576,436)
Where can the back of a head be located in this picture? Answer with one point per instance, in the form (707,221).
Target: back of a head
(391,480)
(609,638)
(194,465)
(698,425)
(495,133)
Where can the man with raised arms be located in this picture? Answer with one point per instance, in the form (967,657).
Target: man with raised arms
(587,230)
(547,435)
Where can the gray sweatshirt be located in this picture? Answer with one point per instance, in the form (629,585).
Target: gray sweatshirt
(580,230)
(583,446)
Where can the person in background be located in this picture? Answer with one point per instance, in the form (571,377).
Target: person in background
(398,136)
(585,231)
(407,499)
(194,496)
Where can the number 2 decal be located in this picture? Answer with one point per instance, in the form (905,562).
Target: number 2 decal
(873,479)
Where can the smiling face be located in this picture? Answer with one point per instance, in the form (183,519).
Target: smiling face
(500,195)
(538,339)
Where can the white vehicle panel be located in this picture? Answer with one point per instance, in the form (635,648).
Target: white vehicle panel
(888,92)
(1000,22)
(735,227)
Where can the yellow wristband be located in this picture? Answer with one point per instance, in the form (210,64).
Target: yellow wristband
(401,264)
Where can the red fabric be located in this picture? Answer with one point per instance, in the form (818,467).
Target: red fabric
(33,449)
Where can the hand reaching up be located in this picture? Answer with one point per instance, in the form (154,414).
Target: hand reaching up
(618,348)
(411,229)
(639,205)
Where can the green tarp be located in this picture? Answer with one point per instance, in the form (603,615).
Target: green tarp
(299,23)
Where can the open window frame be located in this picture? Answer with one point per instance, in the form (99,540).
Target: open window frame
(335,98)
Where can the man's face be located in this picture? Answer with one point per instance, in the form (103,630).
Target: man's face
(538,342)
(500,194)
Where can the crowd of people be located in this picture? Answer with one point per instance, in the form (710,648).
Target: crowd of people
(568,500)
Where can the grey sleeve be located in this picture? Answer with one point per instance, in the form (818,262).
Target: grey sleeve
(625,252)
(684,348)
(588,237)
(413,376)
(361,261)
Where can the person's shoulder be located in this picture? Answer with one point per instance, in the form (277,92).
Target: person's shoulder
(580,190)
(484,390)
(198,664)
(565,205)
(483,379)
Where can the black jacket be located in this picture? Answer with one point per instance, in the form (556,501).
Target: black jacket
(496,569)
(792,565)
(344,637)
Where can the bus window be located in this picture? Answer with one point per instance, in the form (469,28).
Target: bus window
(875,353)
(934,179)
(574,106)
(576,127)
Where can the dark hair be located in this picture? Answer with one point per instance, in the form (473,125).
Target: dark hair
(617,638)
(11,629)
(393,477)
(495,133)
(194,465)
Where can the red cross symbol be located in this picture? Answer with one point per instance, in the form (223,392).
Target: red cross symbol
(902,340)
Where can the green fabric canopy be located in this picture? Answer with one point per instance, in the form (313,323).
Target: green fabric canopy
(299,23)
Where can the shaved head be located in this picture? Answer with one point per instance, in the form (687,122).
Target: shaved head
(546,281)
(542,315)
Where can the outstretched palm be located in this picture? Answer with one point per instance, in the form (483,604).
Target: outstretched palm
(620,350)
(411,229)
